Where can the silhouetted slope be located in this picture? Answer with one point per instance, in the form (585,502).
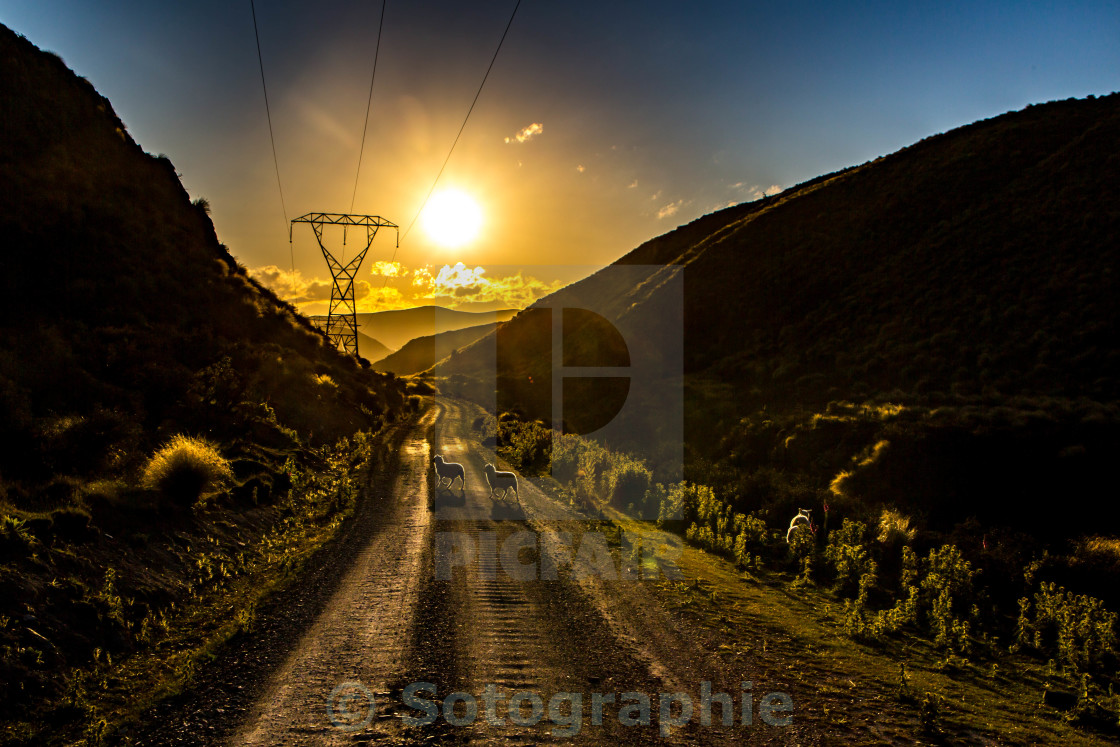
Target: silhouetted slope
(124,320)
(371,349)
(971,278)
(422,353)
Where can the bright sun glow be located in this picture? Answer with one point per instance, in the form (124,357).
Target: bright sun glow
(452,218)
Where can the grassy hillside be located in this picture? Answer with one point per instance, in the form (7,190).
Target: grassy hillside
(968,281)
(919,350)
(175,437)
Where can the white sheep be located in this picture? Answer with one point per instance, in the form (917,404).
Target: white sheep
(803,520)
(448,471)
(504,481)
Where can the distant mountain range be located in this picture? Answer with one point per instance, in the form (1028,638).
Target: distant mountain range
(395,328)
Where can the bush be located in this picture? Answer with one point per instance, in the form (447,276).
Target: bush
(630,481)
(894,528)
(936,593)
(15,539)
(186,468)
(71,523)
(1075,628)
(848,554)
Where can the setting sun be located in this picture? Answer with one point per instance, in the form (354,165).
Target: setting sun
(452,218)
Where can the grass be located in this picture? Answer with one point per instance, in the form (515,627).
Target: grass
(185,468)
(222,562)
(900,690)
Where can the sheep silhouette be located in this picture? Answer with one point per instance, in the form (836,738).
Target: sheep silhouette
(498,480)
(448,471)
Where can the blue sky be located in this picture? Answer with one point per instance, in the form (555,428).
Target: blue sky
(650,113)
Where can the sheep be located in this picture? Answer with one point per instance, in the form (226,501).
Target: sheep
(504,481)
(448,471)
(802,521)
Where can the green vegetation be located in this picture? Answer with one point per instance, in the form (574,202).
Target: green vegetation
(108,642)
(882,581)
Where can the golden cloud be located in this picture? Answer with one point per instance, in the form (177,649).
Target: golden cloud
(670,209)
(525,133)
(294,288)
(387,269)
(384,298)
(462,284)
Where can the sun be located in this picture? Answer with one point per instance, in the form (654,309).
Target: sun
(452,218)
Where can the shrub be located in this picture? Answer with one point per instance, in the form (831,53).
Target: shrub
(527,446)
(15,540)
(71,523)
(629,482)
(894,528)
(849,555)
(185,468)
(937,593)
(1074,627)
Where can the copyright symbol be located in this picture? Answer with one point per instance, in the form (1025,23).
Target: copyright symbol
(351,706)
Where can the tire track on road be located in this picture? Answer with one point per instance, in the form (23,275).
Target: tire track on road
(365,632)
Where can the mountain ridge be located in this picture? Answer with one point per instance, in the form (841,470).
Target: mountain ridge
(970,278)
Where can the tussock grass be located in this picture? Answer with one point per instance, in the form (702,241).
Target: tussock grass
(185,468)
(1104,548)
(894,528)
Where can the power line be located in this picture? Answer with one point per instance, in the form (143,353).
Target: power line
(365,122)
(271,137)
(463,127)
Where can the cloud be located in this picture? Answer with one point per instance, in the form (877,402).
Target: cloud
(462,284)
(754,191)
(525,133)
(384,298)
(581,168)
(670,209)
(632,184)
(292,286)
(387,269)
(450,285)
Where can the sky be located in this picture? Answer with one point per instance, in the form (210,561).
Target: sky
(601,125)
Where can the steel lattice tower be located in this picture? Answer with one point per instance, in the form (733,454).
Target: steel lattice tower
(341,324)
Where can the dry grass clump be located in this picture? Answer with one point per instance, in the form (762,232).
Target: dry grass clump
(894,528)
(1100,551)
(185,468)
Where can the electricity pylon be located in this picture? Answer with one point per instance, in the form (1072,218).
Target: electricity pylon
(341,324)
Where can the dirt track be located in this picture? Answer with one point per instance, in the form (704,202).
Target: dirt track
(479,597)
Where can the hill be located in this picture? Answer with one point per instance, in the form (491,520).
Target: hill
(956,301)
(371,349)
(422,353)
(395,328)
(175,438)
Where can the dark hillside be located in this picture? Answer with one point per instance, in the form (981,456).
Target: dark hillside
(175,439)
(120,309)
(970,280)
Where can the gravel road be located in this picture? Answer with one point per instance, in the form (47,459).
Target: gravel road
(447,616)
